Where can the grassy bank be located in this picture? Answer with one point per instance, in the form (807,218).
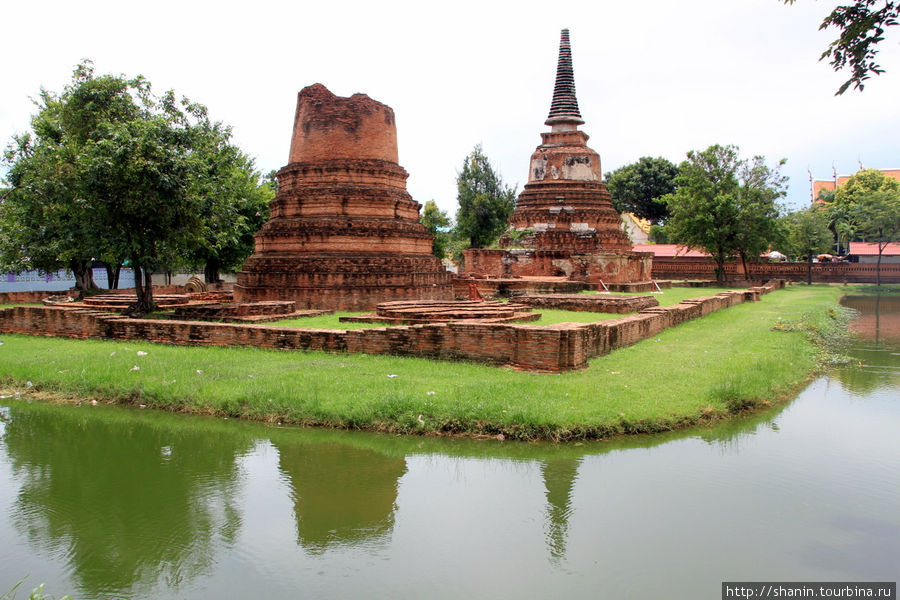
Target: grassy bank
(708,368)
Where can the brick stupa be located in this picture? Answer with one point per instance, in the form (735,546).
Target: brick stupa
(343,233)
(564,222)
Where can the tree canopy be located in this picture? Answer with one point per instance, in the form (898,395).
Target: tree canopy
(638,187)
(112,172)
(862,25)
(864,183)
(485,201)
(438,225)
(877,217)
(807,236)
(725,205)
(844,219)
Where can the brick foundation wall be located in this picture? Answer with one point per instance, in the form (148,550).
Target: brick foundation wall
(699,268)
(590,302)
(554,348)
(593,267)
(515,288)
(17,297)
(217,293)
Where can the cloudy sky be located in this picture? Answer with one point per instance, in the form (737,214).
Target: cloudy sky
(653,78)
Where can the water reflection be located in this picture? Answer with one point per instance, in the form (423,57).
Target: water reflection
(342,494)
(124,503)
(142,504)
(559,480)
(877,350)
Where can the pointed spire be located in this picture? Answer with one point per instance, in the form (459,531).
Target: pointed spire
(564,108)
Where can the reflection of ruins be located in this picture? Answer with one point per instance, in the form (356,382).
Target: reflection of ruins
(343,233)
(127,503)
(559,479)
(564,223)
(342,494)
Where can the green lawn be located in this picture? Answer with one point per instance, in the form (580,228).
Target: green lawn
(702,369)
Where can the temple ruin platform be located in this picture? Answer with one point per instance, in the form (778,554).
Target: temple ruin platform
(410,313)
(513,287)
(247,312)
(604,303)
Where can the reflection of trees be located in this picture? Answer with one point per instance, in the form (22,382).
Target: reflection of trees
(880,367)
(731,432)
(127,503)
(559,479)
(878,346)
(879,317)
(342,494)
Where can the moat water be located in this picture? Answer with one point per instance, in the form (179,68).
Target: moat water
(115,503)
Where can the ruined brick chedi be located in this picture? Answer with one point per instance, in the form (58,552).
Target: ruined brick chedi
(343,233)
(564,222)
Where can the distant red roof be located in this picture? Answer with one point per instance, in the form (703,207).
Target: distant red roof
(669,250)
(871,249)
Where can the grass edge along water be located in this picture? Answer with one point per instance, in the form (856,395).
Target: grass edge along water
(733,360)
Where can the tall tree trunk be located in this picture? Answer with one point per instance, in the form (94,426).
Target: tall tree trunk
(809,269)
(84,275)
(881,248)
(211,271)
(720,268)
(744,265)
(112,275)
(143,287)
(138,285)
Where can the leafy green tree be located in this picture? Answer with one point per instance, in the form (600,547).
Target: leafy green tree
(658,234)
(485,202)
(113,172)
(438,225)
(46,222)
(807,236)
(760,189)
(725,205)
(840,204)
(862,25)
(878,219)
(638,187)
(138,176)
(863,184)
(271,180)
(841,224)
(235,203)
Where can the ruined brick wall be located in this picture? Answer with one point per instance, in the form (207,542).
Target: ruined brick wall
(704,268)
(590,302)
(609,267)
(554,348)
(614,267)
(17,297)
(328,127)
(509,288)
(481,262)
(56,321)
